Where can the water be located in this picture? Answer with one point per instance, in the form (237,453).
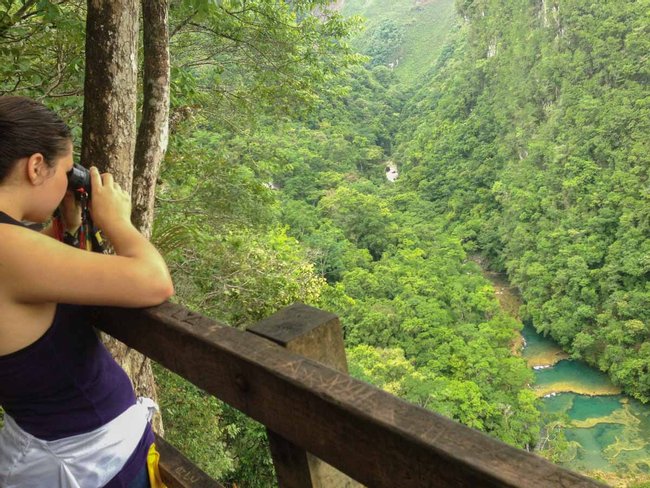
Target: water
(541,351)
(585,407)
(608,433)
(573,376)
(611,434)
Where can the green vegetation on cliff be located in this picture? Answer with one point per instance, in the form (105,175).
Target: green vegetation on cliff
(532,140)
(409,35)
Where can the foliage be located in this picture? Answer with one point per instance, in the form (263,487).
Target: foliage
(42,54)
(553,444)
(413,33)
(253,464)
(461,399)
(214,224)
(418,317)
(402,284)
(429,304)
(187,410)
(531,139)
(384,43)
(232,57)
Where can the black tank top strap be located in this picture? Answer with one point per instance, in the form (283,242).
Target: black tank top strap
(6,219)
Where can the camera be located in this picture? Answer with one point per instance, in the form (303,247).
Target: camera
(79,179)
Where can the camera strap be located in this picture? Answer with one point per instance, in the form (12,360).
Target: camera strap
(88,237)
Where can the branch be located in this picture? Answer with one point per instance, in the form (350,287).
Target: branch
(20,14)
(14,88)
(182,24)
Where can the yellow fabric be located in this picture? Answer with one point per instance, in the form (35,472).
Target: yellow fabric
(153,457)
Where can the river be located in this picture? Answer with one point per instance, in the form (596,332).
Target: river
(608,433)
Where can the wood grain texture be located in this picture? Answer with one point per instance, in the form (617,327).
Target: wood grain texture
(179,472)
(316,335)
(372,436)
(306,331)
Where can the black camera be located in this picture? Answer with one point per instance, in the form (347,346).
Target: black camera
(79,180)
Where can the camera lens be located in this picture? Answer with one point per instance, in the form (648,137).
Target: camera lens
(79,179)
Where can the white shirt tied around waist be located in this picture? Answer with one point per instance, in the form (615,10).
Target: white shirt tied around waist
(88,460)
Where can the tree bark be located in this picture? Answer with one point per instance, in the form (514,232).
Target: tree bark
(109,126)
(153,133)
(110,87)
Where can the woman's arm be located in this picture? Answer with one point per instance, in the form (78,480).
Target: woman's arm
(38,269)
(35,268)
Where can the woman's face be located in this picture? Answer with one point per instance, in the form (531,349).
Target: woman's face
(51,192)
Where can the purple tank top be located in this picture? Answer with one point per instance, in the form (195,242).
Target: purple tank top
(66,382)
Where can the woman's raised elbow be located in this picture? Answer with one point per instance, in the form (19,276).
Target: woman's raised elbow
(168,291)
(156,288)
(163,291)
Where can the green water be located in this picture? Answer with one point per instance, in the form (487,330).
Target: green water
(610,433)
(559,404)
(573,376)
(585,407)
(536,344)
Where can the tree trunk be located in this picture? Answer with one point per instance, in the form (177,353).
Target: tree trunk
(110,88)
(109,125)
(154,126)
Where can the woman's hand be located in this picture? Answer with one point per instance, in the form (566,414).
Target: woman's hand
(110,205)
(70,213)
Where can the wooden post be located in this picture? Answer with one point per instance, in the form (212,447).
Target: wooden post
(316,335)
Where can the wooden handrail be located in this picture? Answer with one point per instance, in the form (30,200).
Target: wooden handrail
(370,435)
(179,472)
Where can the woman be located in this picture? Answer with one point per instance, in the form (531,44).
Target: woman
(71,416)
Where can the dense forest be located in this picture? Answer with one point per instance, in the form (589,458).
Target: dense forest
(534,145)
(523,142)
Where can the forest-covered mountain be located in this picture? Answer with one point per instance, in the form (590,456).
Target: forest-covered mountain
(419,318)
(407,36)
(532,139)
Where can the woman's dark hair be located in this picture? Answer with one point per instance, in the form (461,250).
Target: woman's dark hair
(28,127)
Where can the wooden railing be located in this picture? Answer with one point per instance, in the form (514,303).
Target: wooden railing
(312,409)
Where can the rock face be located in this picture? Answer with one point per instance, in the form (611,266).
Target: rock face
(391,171)
(335,6)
